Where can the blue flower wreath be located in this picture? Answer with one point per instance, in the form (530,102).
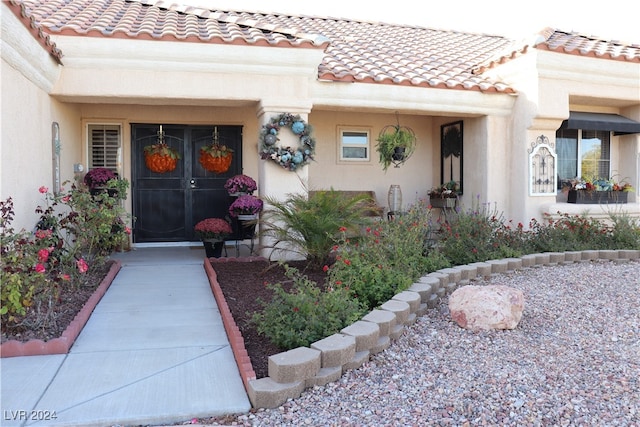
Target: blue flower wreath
(287,157)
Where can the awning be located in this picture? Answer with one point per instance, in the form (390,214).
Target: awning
(598,121)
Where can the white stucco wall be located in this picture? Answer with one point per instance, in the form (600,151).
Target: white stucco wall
(28,73)
(415,177)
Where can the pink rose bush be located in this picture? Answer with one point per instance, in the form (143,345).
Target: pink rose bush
(73,238)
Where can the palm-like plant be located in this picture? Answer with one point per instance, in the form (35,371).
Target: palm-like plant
(310,225)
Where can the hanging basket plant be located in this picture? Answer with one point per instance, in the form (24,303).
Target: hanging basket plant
(216,158)
(395,145)
(160,157)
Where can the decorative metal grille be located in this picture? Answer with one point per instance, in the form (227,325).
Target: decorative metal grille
(542,168)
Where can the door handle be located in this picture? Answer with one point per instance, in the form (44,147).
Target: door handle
(192,183)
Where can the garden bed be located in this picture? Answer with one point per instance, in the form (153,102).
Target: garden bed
(244,285)
(70,315)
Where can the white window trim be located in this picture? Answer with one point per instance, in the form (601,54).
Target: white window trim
(119,155)
(361,129)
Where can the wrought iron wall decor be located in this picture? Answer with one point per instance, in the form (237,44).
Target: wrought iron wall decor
(451,147)
(542,168)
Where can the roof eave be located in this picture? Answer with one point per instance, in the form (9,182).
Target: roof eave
(35,30)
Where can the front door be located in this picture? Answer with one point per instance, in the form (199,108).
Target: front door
(166,206)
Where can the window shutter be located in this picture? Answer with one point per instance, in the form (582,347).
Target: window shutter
(104,147)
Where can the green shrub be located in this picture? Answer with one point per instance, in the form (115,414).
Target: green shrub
(625,232)
(308,225)
(567,233)
(388,258)
(306,313)
(95,222)
(579,232)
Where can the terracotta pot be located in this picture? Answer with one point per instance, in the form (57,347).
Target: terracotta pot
(160,163)
(216,164)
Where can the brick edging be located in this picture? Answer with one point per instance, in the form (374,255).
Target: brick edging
(62,344)
(234,335)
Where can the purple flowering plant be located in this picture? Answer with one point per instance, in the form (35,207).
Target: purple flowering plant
(98,177)
(241,184)
(246,205)
(213,228)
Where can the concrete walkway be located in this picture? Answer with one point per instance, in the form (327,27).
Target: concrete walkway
(153,352)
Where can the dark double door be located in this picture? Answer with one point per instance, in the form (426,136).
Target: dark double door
(166,206)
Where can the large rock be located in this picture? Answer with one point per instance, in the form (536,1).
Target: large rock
(486,307)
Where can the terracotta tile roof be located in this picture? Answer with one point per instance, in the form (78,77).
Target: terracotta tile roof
(554,40)
(355,51)
(579,44)
(160,20)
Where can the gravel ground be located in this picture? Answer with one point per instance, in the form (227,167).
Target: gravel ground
(574,360)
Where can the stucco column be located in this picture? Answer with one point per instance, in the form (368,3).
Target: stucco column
(277,182)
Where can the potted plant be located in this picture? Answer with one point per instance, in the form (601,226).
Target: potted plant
(395,145)
(216,157)
(246,207)
(160,157)
(444,196)
(104,180)
(212,232)
(244,212)
(598,191)
(240,184)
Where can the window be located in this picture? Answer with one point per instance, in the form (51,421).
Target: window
(354,145)
(104,147)
(582,154)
